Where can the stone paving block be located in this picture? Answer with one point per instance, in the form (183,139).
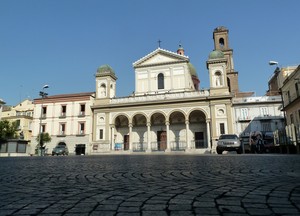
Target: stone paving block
(128,209)
(103,213)
(229,201)
(203,204)
(181,213)
(106,207)
(233,209)
(206,211)
(127,214)
(181,201)
(259,211)
(154,213)
(154,207)
(282,211)
(179,207)
(126,203)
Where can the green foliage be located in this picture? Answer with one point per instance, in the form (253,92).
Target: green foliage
(8,130)
(45,138)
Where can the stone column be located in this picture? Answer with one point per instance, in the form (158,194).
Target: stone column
(188,142)
(168,133)
(130,136)
(112,137)
(208,134)
(148,137)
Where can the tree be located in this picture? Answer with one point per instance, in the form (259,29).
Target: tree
(8,130)
(45,138)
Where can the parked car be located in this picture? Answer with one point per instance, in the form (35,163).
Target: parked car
(60,150)
(229,142)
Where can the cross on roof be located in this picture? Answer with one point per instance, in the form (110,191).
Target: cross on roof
(159,41)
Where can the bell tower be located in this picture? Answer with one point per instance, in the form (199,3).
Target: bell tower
(221,43)
(105,82)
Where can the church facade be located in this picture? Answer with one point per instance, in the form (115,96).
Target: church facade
(167,111)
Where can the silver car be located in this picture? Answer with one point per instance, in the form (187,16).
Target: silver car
(229,142)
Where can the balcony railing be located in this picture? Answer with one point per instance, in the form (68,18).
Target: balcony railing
(178,145)
(154,97)
(199,144)
(139,146)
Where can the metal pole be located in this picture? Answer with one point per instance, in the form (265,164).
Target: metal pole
(43,94)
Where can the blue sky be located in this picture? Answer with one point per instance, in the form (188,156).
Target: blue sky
(62,42)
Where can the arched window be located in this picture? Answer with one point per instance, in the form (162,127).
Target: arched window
(160,81)
(103,90)
(221,43)
(218,78)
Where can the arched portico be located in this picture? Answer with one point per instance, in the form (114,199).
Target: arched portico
(199,130)
(177,131)
(122,132)
(139,132)
(158,133)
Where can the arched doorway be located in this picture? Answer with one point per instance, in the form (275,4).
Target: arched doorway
(122,132)
(139,133)
(158,125)
(198,128)
(177,131)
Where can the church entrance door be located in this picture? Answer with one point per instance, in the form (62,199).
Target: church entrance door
(199,140)
(126,142)
(161,140)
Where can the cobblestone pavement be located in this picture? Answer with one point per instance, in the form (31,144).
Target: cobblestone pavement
(151,185)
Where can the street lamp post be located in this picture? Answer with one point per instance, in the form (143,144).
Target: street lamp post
(43,94)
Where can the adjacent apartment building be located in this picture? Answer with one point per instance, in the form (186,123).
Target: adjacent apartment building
(67,119)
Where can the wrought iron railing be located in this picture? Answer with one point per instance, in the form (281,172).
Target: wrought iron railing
(198,144)
(178,145)
(139,146)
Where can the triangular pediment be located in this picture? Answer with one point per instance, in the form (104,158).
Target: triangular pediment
(160,57)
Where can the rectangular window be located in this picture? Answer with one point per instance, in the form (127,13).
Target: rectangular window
(297,89)
(3,147)
(63,110)
(21,148)
(82,109)
(44,112)
(292,118)
(244,113)
(18,123)
(12,147)
(264,111)
(289,96)
(222,128)
(81,128)
(43,128)
(101,134)
(62,129)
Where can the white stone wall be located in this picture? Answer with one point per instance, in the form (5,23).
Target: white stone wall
(72,120)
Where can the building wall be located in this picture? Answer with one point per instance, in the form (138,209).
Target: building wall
(22,113)
(71,133)
(257,114)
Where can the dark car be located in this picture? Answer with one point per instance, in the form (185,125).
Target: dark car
(60,150)
(229,142)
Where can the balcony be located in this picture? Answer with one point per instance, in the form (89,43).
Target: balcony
(81,114)
(63,115)
(61,134)
(157,97)
(81,133)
